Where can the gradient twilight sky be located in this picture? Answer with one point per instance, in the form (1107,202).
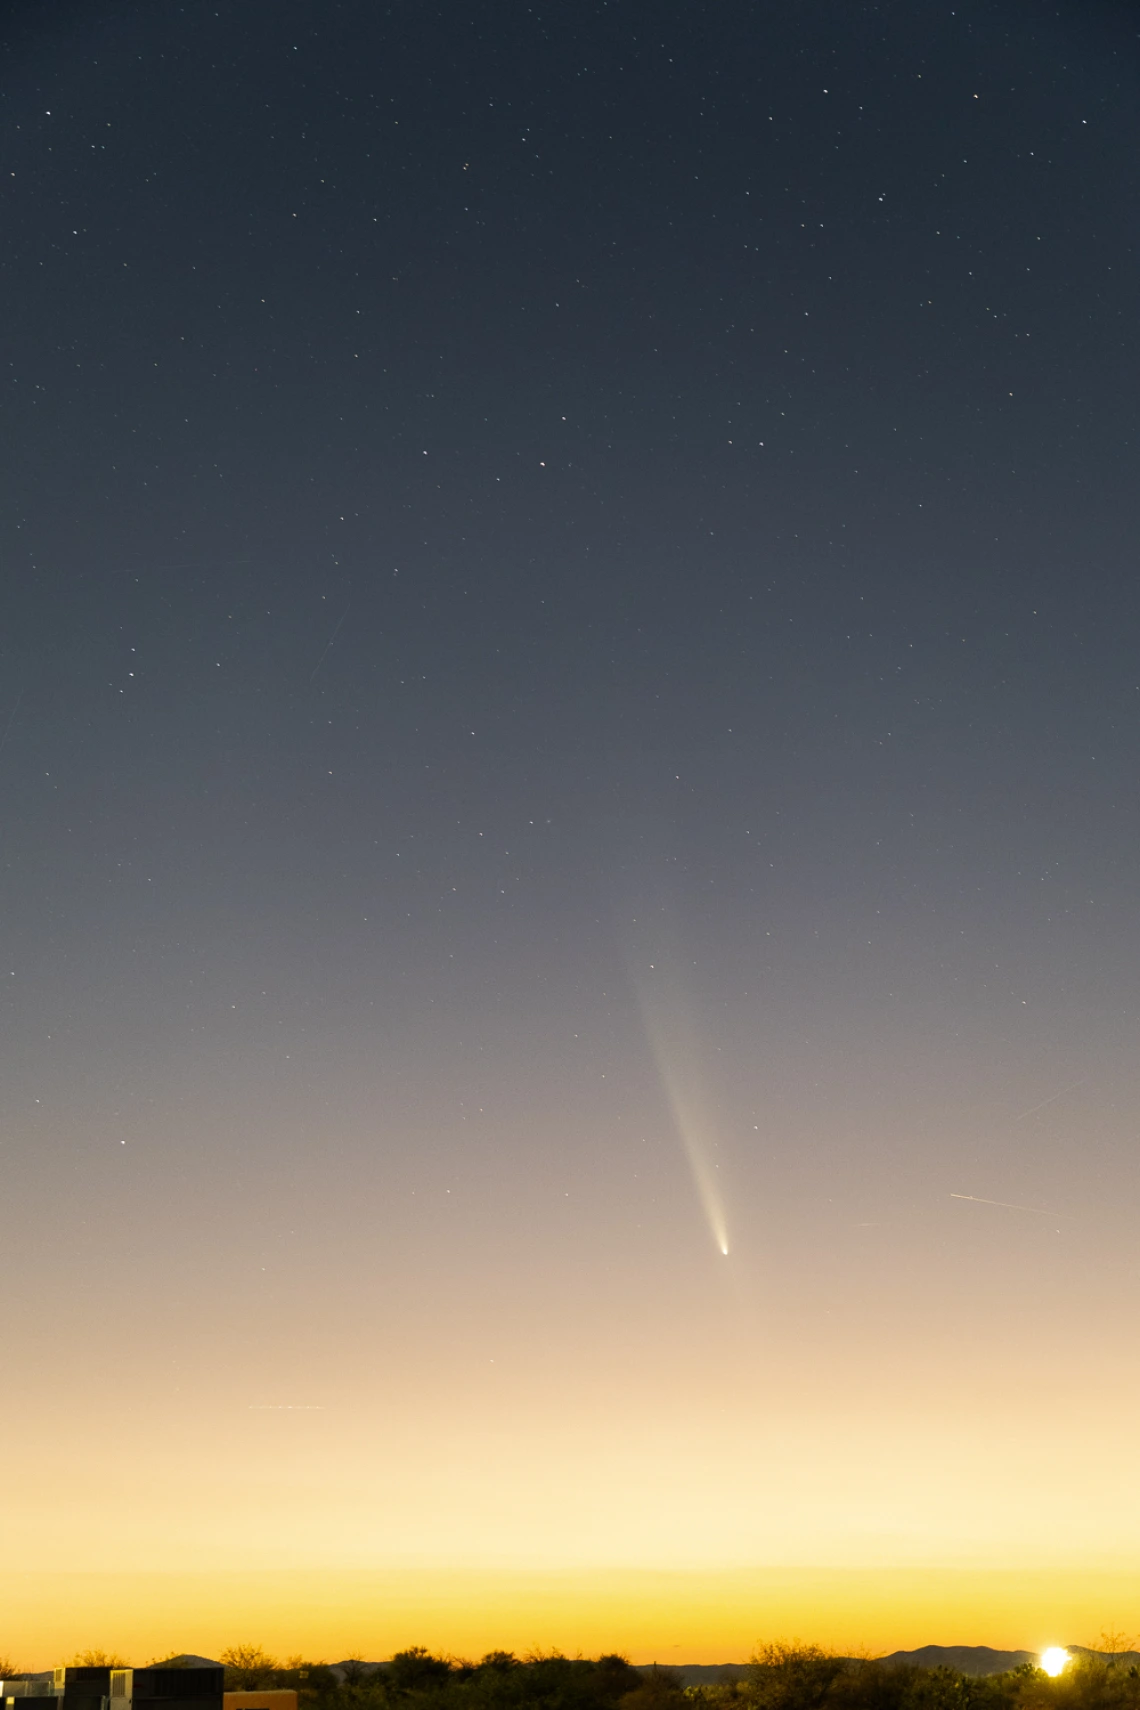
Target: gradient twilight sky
(570,689)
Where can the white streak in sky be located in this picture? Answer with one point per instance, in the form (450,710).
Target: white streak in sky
(673,1043)
(1052,1099)
(330,640)
(1006,1206)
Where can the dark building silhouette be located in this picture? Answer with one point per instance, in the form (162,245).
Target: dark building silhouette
(187,1687)
(197,1688)
(82,1688)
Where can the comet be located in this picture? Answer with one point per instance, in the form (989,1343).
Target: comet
(672,1039)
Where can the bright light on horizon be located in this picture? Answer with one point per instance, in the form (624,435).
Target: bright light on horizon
(1054,1660)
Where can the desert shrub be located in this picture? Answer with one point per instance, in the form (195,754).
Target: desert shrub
(248,1668)
(1108,1680)
(792,1676)
(658,1689)
(417,1670)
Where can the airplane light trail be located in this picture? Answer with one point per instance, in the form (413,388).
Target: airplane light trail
(1007,1206)
(1052,1099)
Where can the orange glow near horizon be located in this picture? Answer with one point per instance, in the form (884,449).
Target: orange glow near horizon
(471,1428)
(662,1617)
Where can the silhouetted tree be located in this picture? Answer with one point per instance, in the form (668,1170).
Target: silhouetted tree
(657,1689)
(306,1676)
(417,1670)
(248,1668)
(792,1677)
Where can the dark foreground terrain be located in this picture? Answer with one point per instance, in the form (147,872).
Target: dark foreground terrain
(780,1677)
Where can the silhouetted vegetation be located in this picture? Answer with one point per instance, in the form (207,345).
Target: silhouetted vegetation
(802,1677)
(250,1669)
(416,1679)
(779,1677)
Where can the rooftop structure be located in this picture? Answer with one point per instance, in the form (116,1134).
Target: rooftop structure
(200,1686)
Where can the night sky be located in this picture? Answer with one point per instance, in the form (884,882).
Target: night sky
(569,694)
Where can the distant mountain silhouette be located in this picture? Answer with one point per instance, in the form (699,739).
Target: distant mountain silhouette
(699,1674)
(967,1659)
(980,1659)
